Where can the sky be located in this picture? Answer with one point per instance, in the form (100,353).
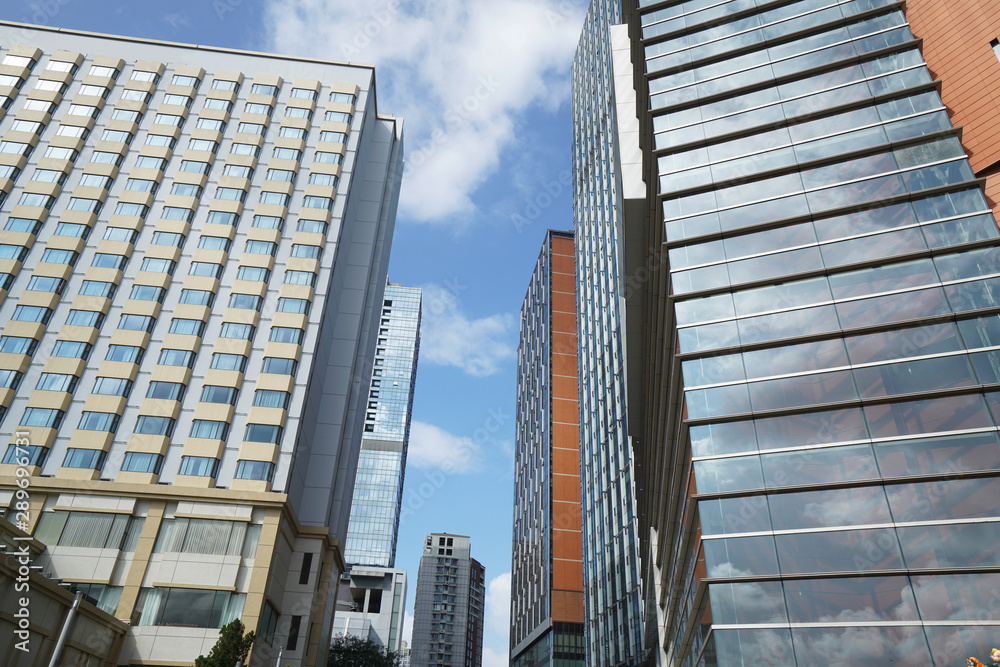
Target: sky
(483,88)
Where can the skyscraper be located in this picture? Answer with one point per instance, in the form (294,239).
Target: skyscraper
(378,487)
(450,605)
(612,591)
(546,568)
(196,243)
(372,594)
(819,451)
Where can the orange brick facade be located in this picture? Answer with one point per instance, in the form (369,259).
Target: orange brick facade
(957,36)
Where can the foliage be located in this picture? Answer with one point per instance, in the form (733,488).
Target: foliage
(349,651)
(232,646)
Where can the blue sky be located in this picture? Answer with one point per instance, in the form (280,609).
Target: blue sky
(483,87)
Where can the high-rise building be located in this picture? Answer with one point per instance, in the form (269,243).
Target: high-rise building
(378,486)
(450,605)
(612,591)
(372,595)
(546,616)
(195,251)
(815,263)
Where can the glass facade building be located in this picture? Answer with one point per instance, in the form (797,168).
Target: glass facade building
(612,597)
(378,486)
(546,562)
(821,458)
(189,299)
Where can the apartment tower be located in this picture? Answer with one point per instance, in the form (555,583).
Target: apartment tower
(195,249)
(815,261)
(450,604)
(546,563)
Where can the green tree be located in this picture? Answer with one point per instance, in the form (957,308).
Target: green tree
(232,646)
(349,651)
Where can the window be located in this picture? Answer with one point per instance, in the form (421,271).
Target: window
(46,284)
(51,86)
(199,466)
(104,157)
(286,335)
(304,94)
(185,190)
(287,153)
(108,386)
(86,205)
(149,425)
(44,201)
(286,175)
(231,194)
(131,322)
(256,470)
(168,391)
(121,234)
(99,70)
(238,331)
(181,80)
(32,314)
(40,105)
(31,126)
(344,98)
(158,265)
(224,218)
(42,417)
(261,248)
(253,107)
(18,252)
(253,273)
(279,366)
(49,176)
(140,96)
(15,147)
(268,222)
(177,100)
(317,202)
(182,358)
(307,251)
(187,607)
(292,132)
(229,362)
(210,430)
(223,84)
(337,117)
(162,140)
(57,382)
(221,105)
(298,112)
(251,128)
(147,293)
(217,394)
(268,620)
(57,153)
(87,110)
(89,459)
(98,288)
(142,462)
(208,269)
(187,327)
(197,297)
(95,91)
(245,301)
(140,75)
(98,421)
(287,305)
(300,278)
(89,530)
(278,198)
(148,162)
(85,318)
(127,353)
(107,261)
(211,124)
(17,345)
(118,136)
(71,349)
(323,179)
(264,89)
(237,170)
(267,398)
(203,145)
(244,149)
(325,157)
(24,225)
(194,167)
(168,119)
(175,213)
(334,137)
(17,61)
(172,239)
(215,243)
(10,379)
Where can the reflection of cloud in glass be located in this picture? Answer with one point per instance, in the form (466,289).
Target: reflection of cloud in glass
(861,647)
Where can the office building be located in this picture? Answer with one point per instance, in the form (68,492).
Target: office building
(378,486)
(613,609)
(818,455)
(546,564)
(450,604)
(372,595)
(195,251)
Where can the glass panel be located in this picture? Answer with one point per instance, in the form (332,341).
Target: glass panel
(899,343)
(913,377)
(796,358)
(959,545)
(728,438)
(953,644)
(736,474)
(862,647)
(829,508)
(816,466)
(718,401)
(811,428)
(751,602)
(749,648)
(949,499)
(839,551)
(957,597)
(740,556)
(734,515)
(803,390)
(928,456)
(788,324)
(933,415)
(850,600)
(892,308)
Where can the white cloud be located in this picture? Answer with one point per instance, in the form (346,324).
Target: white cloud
(492,658)
(407,628)
(498,605)
(462,73)
(433,447)
(449,338)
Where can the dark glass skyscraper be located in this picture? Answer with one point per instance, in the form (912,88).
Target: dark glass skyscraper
(819,458)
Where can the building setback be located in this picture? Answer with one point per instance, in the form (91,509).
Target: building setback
(815,263)
(195,252)
(546,562)
(450,603)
